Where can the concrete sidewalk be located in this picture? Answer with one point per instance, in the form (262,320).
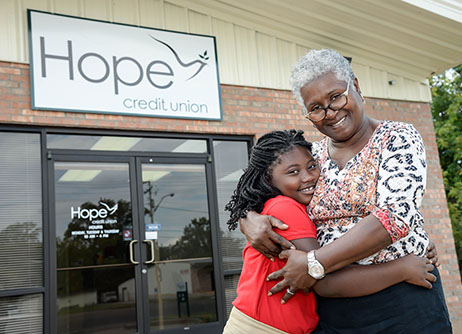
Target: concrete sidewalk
(457,326)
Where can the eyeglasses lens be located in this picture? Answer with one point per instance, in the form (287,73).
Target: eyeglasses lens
(320,113)
(338,103)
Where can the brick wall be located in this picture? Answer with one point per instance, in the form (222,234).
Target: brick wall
(255,111)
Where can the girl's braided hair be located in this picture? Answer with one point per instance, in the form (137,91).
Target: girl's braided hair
(254,187)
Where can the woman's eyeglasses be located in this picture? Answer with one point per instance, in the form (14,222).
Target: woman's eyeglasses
(318,113)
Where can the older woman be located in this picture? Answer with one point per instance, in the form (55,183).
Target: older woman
(366,206)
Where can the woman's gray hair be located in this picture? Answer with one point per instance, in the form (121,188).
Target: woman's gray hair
(316,63)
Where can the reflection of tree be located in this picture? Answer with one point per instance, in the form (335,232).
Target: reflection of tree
(25,236)
(76,251)
(232,248)
(195,242)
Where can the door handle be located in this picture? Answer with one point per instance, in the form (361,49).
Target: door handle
(130,248)
(153,257)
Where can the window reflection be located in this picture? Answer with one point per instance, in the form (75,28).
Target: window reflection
(96,300)
(95,280)
(181,280)
(93,210)
(231,157)
(21,249)
(118,143)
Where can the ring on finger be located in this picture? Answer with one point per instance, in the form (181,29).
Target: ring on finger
(290,292)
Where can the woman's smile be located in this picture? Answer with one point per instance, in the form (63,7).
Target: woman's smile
(339,123)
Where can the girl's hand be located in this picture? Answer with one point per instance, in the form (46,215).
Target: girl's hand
(432,254)
(294,273)
(258,229)
(418,270)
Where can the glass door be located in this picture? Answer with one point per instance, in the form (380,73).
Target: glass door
(133,245)
(180,280)
(95,248)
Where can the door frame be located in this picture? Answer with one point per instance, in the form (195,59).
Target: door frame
(134,161)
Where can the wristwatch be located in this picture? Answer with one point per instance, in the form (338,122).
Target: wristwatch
(315,268)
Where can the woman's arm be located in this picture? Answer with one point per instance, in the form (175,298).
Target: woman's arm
(358,280)
(367,237)
(361,280)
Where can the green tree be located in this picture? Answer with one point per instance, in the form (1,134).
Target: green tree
(447,119)
(195,241)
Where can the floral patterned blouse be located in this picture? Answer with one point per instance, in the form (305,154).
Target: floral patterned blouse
(387,179)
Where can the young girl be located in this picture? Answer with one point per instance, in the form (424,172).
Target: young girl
(280,182)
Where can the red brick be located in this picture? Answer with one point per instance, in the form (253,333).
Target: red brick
(20,105)
(45,120)
(22,119)
(10,70)
(94,116)
(66,121)
(20,78)
(20,91)
(10,98)
(10,84)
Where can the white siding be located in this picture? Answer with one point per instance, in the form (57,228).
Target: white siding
(250,51)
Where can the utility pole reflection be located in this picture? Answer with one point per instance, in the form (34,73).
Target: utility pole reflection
(153,206)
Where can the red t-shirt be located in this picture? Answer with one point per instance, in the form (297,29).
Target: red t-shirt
(298,315)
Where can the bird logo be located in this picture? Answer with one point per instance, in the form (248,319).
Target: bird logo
(111,210)
(202,61)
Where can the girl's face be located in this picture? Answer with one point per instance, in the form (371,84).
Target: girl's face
(295,174)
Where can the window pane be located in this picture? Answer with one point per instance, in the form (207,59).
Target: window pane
(22,314)
(181,287)
(231,157)
(114,143)
(230,291)
(20,211)
(95,279)
(96,300)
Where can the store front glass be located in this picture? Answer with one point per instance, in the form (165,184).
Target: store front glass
(21,234)
(177,228)
(95,278)
(135,237)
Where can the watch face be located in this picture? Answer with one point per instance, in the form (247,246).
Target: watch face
(317,271)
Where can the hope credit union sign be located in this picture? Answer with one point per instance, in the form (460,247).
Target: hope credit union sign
(85,65)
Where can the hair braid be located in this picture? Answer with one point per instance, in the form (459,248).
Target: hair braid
(254,187)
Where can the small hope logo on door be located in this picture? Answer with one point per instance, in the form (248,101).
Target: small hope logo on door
(92,214)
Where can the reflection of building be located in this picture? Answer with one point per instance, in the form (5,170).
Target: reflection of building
(78,300)
(54,159)
(178,274)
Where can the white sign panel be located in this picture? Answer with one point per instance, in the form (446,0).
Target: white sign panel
(92,66)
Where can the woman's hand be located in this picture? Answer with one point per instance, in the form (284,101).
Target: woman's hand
(418,270)
(258,229)
(432,254)
(295,274)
